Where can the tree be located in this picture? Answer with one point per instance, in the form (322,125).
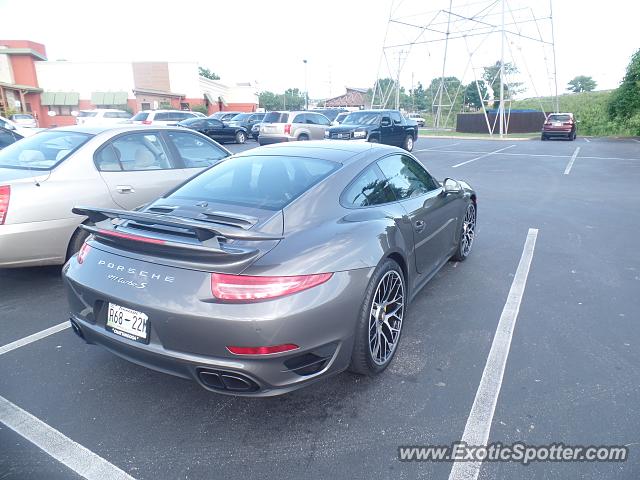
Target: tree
(418,97)
(472,98)
(206,73)
(625,100)
(491,75)
(269,101)
(582,83)
(291,99)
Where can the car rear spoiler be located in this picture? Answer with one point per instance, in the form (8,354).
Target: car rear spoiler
(207,234)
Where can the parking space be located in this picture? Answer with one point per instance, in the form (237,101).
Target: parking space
(572,373)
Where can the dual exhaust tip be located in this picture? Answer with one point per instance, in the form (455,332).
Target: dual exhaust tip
(228,381)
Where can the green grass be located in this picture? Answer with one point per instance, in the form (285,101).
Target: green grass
(590,109)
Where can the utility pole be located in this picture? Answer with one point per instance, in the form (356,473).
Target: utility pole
(553,46)
(306,90)
(398,81)
(501,107)
(413,95)
(444,64)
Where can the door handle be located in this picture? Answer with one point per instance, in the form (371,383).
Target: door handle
(125,189)
(419,225)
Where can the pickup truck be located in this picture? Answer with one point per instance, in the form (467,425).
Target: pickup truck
(376,126)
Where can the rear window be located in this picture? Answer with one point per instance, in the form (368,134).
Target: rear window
(276,117)
(267,182)
(559,118)
(22,116)
(86,114)
(140,116)
(42,151)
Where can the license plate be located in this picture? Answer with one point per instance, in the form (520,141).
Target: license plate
(128,323)
(343,135)
(557,124)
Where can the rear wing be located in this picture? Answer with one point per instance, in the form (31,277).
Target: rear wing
(147,223)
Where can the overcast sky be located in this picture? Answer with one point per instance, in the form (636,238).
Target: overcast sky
(267,40)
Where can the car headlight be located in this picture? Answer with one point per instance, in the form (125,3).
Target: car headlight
(326,134)
(359,134)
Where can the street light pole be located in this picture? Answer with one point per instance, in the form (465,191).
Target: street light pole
(306,90)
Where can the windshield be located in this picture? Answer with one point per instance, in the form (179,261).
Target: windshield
(241,117)
(140,117)
(362,118)
(268,182)
(42,151)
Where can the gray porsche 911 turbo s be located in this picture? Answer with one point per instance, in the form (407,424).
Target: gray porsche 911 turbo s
(272,269)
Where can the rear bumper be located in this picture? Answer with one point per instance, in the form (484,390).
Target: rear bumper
(36,243)
(269,139)
(558,133)
(189,335)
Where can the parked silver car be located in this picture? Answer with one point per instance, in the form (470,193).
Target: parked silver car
(292,126)
(44,176)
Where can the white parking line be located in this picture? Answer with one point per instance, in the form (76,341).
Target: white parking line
(71,454)
(635,140)
(586,139)
(573,159)
(438,146)
(476,431)
(482,156)
(34,338)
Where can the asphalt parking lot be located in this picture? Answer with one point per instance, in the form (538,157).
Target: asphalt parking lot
(572,373)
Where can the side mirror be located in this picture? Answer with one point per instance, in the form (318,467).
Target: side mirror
(451,186)
(385,122)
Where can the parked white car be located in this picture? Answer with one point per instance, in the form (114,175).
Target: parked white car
(19,129)
(44,176)
(418,118)
(163,117)
(102,116)
(24,120)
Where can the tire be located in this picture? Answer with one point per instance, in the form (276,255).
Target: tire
(543,138)
(467,234)
(303,137)
(77,239)
(374,140)
(408,143)
(387,281)
(241,137)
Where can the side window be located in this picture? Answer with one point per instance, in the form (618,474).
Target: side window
(395,117)
(322,120)
(311,118)
(107,159)
(195,151)
(406,177)
(368,189)
(124,115)
(214,123)
(111,115)
(300,118)
(161,117)
(141,151)
(386,119)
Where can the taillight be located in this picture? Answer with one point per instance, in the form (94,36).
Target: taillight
(146,122)
(547,124)
(287,347)
(248,288)
(287,129)
(82,253)
(5,194)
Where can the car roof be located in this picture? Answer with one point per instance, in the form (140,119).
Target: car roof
(102,110)
(95,130)
(335,150)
